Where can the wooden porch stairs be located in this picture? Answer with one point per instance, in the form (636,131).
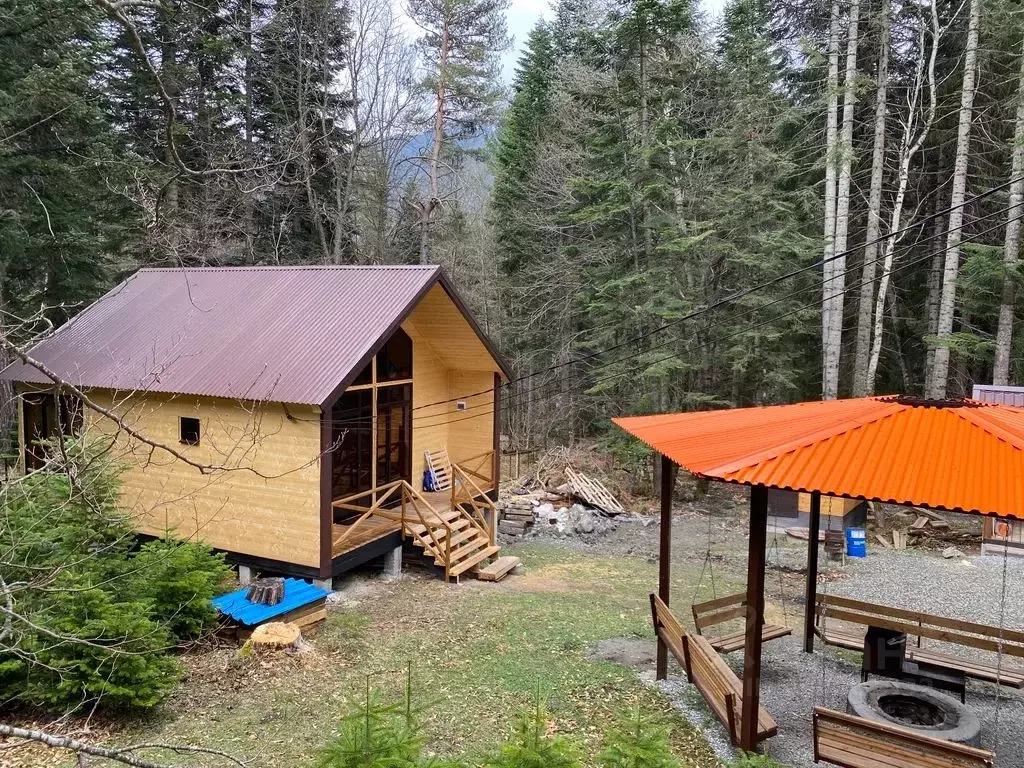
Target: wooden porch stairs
(468,549)
(457,534)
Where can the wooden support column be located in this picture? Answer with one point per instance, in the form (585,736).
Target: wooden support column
(811,593)
(668,482)
(755,617)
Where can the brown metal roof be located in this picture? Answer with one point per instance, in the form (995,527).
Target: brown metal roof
(284,334)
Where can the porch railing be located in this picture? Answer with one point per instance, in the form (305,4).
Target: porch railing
(400,502)
(480,468)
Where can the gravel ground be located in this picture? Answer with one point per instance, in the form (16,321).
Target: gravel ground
(793,683)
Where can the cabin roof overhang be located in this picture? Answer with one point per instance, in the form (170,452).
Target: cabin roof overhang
(277,334)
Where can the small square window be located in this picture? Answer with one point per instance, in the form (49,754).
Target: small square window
(189,430)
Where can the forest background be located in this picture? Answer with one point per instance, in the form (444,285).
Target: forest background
(664,211)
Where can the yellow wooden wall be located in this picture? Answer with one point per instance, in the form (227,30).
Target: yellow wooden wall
(832,506)
(429,385)
(272,513)
(471,431)
(449,363)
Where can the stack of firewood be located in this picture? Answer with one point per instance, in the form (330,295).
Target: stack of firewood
(266,591)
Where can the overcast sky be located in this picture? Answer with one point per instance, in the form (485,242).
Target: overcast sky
(523,14)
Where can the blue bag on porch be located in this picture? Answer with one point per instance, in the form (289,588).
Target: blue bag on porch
(429,480)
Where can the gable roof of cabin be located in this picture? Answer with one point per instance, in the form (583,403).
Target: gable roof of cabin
(282,334)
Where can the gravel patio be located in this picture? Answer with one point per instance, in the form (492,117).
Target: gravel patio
(793,682)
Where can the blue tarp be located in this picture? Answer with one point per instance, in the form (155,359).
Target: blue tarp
(297,593)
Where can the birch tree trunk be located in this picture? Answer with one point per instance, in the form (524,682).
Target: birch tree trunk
(1011,245)
(936,386)
(909,147)
(870,266)
(837,285)
(831,148)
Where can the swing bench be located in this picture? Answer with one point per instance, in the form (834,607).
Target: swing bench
(714,612)
(715,680)
(955,631)
(856,742)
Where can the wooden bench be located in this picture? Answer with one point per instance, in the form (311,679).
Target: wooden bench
(717,683)
(855,742)
(914,623)
(725,609)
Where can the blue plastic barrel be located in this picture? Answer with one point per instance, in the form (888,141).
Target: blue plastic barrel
(856,542)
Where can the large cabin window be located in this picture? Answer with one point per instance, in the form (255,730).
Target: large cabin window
(394,362)
(371,424)
(45,416)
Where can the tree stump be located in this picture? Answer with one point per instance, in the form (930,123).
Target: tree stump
(268,591)
(275,635)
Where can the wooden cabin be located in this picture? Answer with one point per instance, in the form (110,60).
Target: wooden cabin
(301,403)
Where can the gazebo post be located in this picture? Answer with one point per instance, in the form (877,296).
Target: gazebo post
(755,617)
(811,593)
(668,482)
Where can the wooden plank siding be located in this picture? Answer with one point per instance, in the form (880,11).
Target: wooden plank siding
(450,363)
(273,515)
(471,431)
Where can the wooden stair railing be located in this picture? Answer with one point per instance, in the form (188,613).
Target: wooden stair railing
(467,497)
(480,467)
(459,539)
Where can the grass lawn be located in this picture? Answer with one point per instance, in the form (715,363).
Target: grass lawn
(478,652)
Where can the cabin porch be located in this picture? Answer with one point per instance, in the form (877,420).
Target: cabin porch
(454,529)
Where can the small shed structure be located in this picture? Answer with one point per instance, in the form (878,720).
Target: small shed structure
(312,394)
(1001,535)
(954,455)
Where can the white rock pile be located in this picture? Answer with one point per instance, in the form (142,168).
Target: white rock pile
(542,516)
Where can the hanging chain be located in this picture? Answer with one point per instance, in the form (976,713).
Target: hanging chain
(999,655)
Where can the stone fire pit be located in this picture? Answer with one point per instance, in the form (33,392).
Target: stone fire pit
(915,707)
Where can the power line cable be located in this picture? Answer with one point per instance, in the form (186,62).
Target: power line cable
(368,421)
(735,296)
(895,256)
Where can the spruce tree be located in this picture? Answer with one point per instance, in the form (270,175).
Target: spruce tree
(61,222)
(526,124)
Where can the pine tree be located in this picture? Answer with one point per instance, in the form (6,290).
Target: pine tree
(638,743)
(460,45)
(300,118)
(526,124)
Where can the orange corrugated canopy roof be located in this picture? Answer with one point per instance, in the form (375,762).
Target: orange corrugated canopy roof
(963,456)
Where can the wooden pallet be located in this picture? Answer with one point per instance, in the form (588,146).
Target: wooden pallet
(439,463)
(592,492)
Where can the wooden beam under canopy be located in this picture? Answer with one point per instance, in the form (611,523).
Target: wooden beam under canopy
(755,617)
(668,482)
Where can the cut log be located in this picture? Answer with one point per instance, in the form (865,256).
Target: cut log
(275,635)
